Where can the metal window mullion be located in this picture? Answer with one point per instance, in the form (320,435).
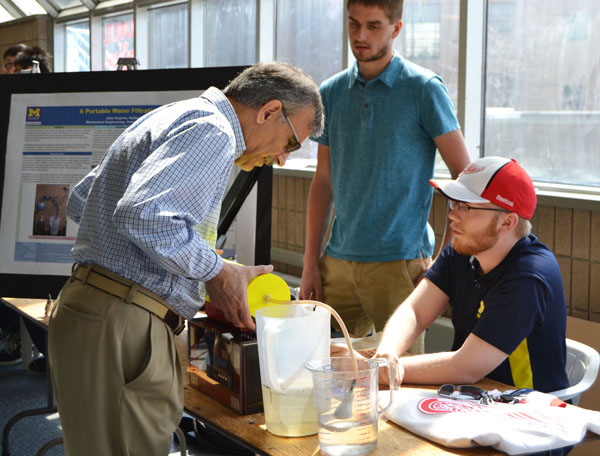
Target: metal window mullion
(267,30)
(50,7)
(89,4)
(346,49)
(471,75)
(257,32)
(196,33)
(12,8)
(484,77)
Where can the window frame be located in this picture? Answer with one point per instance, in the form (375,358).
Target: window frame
(471,84)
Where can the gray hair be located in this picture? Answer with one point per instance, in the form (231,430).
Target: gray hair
(263,82)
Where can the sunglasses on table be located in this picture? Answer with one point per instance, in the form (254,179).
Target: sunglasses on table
(471,392)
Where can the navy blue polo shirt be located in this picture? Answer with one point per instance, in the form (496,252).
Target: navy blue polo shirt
(518,307)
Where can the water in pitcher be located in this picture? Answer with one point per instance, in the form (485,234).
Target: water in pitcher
(290,414)
(346,438)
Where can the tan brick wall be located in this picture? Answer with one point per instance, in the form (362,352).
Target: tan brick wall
(572,234)
(290,196)
(33,31)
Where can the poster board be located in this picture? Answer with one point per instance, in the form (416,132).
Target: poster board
(54,128)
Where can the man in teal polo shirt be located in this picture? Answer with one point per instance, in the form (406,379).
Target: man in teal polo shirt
(385,117)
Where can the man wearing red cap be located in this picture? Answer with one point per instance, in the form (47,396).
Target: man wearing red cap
(503,285)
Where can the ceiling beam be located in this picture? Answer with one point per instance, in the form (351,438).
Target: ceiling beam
(90,4)
(12,8)
(49,6)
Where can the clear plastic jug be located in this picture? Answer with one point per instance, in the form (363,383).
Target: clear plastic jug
(289,335)
(347,403)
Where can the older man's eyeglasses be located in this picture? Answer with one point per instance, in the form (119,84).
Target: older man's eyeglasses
(465,208)
(295,144)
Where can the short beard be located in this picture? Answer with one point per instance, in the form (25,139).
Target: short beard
(378,56)
(479,243)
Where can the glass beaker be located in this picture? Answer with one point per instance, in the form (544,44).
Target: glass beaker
(54,224)
(288,336)
(347,403)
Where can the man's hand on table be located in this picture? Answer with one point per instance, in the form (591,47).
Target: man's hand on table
(395,362)
(341,349)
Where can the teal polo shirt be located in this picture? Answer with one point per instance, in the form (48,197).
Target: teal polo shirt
(380,134)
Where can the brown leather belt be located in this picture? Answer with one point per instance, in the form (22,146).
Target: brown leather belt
(115,285)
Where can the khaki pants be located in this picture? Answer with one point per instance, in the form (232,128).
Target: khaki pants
(116,375)
(367,294)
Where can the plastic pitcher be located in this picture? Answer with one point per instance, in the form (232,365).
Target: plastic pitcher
(347,403)
(289,335)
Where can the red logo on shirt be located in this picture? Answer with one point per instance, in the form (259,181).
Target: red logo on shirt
(436,406)
(527,415)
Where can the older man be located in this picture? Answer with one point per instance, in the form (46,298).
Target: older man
(147,224)
(504,288)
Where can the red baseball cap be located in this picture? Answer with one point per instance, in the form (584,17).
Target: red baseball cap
(497,180)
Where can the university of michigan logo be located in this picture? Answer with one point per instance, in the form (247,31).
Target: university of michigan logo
(33,114)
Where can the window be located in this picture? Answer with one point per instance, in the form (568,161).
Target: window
(573,98)
(419,40)
(577,26)
(310,36)
(117,32)
(501,17)
(172,22)
(500,29)
(542,98)
(421,30)
(64,4)
(230,32)
(4,15)
(77,46)
(30,7)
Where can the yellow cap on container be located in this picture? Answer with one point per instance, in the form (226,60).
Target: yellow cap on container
(262,286)
(266,285)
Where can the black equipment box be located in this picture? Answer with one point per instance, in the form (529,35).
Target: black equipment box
(223,364)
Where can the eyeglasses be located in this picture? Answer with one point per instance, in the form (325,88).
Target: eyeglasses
(296,144)
(8,65)
(465,208)
(475,393)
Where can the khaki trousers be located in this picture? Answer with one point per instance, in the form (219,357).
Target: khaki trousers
(367,294)
(116,375)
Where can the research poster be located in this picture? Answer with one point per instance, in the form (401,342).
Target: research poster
(54,140)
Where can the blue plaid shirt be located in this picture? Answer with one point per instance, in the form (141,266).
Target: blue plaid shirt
(150,209)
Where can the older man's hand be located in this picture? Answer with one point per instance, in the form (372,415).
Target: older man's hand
(228,291)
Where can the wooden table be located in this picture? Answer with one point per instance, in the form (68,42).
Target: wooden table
(33,310)
(250,431)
